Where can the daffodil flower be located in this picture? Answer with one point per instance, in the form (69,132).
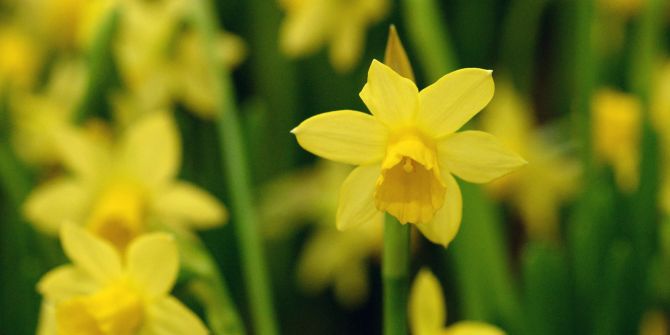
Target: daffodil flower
(38,117)
(103,292)
(408,149)
(428,313)
(19,59)
(329,258)
(616,126)
(162,60)
(122,191)
(550,179)
(311,23)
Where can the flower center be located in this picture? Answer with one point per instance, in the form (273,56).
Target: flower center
(118,215)
(410,186)
(114,310)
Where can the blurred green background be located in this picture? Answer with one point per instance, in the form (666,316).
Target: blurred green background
(578,242)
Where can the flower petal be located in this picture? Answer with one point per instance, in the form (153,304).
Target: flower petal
(168,316)
(356,205)
(444,226)
(56,202)
(472,328)
(64,282)
(80,154)
(153,263)
(94,256)
(427,313)
(450,102)
(392,98)
(477,156)
(343,136)
(187,203)
(151,149)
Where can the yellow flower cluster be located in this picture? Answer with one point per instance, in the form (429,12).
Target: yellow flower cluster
(106,187)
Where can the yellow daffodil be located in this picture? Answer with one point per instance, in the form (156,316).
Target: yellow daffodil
(654,323)
(311,23)
(329,257)
(428,313)
(67,24)
(19,58)
(103,292)
(122,191)
(161,60)
(550,178)
(408,149)
(39,117)
(616,120)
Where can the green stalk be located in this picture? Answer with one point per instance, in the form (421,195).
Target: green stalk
(209,286)
(429,37)
(239,184)
(100,66)
(395,273)
(583,78)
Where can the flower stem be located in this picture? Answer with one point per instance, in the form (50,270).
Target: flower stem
(209,286)
(429,37)
(395,273)
(236,172)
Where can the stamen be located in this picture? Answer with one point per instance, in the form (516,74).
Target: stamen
(407,165)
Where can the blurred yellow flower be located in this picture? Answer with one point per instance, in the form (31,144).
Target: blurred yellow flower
(66,24)
(39,117)
(408,149)
(330,257)
(19,59)
(550,178)
(428,313)
(311,23)
(124,190)
(103,292)
(616,122)
(162,60)
(654,323)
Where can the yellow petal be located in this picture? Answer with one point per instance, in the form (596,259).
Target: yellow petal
(153,263)
(54,203)
(356,205)
(346,45)
(392,98)
(444,226)
(168,316)
(427,312)
(151,149)
(187,203)
(454,99)
(80,154)
(396,57)
(477,156)
(343,136)
(303,30)
(472,328)
(64,282)
(95,257)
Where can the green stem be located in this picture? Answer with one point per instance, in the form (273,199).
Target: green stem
(395,273)
(210,288)
(239,184)
(583,77)
(429,37)
(100,66)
